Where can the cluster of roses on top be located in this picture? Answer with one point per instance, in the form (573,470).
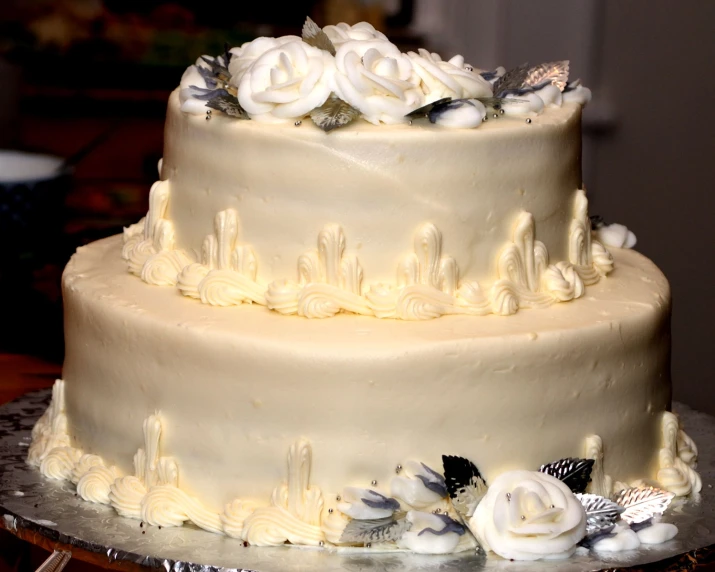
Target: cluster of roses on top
(339,73)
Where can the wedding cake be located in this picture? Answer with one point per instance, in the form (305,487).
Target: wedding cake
(367,308)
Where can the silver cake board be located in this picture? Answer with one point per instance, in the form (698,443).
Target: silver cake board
(49,513)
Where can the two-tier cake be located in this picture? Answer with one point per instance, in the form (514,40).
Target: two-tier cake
(364,308)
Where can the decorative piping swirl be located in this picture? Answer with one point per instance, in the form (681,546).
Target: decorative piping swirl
(601,483)
(282,296)
(229,288)
(190,278)
(166,505)
(163,268)
(126,495)
(59,462)
(234,515)
(602,259)
(82,467)
(96,484)
(50,431)
(330,280)
(274,525)
(676,474)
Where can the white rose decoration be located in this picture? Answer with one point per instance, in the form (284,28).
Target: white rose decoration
(341,33)
(377,79)
(243,57)
(528,515)
(616,235)
(286,82)
(453,78)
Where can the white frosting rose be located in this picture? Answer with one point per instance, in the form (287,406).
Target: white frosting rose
(528,515)
(451,78)
(341,33)
(616,235)
(243,57)
(286,82)
(377,79)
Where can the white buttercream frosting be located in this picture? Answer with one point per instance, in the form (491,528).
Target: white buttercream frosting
(83,465)
(616,235)
(234,515)
(678,459)
(453,78)
(427,536)
(59,462)
(418,486)
(167,505)
(342,32)
(528,515)
(95,485)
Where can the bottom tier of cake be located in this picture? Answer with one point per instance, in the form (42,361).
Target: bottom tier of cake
(201,405)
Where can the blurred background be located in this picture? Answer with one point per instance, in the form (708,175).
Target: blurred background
(94,75)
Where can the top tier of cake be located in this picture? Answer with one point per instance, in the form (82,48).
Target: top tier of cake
(380,184)
(468,204)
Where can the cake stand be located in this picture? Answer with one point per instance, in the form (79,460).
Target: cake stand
(48,513)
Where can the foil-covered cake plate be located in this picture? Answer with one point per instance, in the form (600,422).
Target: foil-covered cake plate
(49,513)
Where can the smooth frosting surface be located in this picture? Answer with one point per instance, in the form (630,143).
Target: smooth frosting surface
(366,393)
(379,183)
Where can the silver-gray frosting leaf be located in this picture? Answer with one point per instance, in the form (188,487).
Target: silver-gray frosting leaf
(375,530)
(525,78)
(575,473)
(642,503)
(228,104)
(313,35)
(465,484)
(334,113)
(601,513)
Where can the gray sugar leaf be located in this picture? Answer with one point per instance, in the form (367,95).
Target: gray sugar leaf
(205,94)
(314,36)
(376,530)
(642,503)
(575,473)
(556,73)
(334,113)
(524,78)
(450,525)
(601,513)
(228,104)
(465,484)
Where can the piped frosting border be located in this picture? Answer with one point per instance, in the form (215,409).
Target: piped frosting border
(419,512)
(330,278)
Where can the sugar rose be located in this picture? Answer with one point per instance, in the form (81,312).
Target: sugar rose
(286,82)
(528,515)
(377,79)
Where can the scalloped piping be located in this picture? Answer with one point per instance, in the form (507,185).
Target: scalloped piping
(427,283)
